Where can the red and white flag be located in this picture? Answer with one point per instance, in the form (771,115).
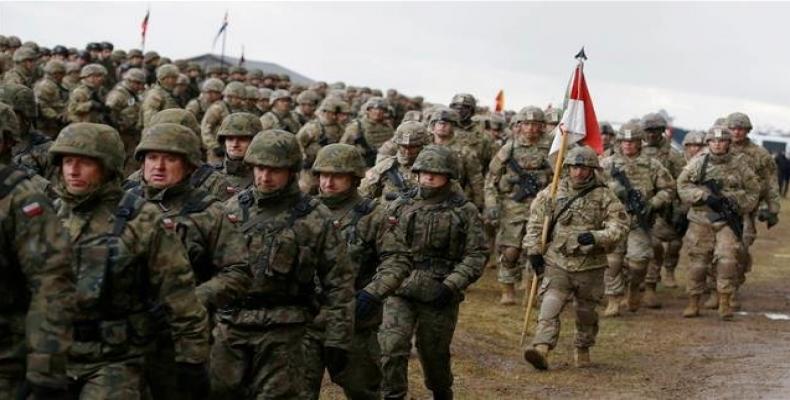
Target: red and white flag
(499,102)
(144,28)
(578,117)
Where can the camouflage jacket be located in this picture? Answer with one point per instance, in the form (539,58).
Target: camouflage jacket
(198,107)
(127,259)
(367,136)
(387,149)
(33,156)
(764,166)
(732,175)
(313,136)
(470,172)
(51,98)
(204,177)
(387,180)
(156,99)
(302,119)
(85,105)
(445,236)
(37,285)
(211,121)
(670,158)
(298,265)
(598,211)
(503,181)
(124,107)
(287,122)
(237,173)
(473,135)
(215,250)
(18,76)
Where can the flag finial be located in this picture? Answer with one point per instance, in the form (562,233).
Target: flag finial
(580,55)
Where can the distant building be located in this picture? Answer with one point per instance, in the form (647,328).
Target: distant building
(208,59)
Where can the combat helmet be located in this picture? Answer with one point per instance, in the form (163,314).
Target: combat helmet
(339,158)
(20,98)
(166,71)
(412,133)
(98,141)
(718,132)
(239,124)
(694,138)
(606,128)
(212,85)
(444,114)
(176,116)
(739,120)
(235,88)
(581,156)
(170,138)
(54,66)
(530,114)
(92,69)
(275,148)
(654,121)
(134,75)
(436,159)
(463,99)
(630,131)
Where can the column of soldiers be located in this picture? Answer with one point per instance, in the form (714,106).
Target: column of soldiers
(215,242)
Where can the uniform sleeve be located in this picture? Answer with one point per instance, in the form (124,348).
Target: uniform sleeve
(491,188)
(689,192)
(45,97)
(43,251)
(194,107)
(336,276)
(370,186)
(534,230)
(770,192)
(152,104)
(749,197)
(394,257)
(665,187)
(208,128)
(475,175)
(171,274)
(471,266)
(350,134)
(79,105)
(616,222)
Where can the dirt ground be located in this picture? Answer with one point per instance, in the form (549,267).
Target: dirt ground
(650,354)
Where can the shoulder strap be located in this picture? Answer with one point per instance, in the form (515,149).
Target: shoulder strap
(130,184)
(199,201)
(10,176)
(305,205)
(201,174)
(567,205)
(128,208)
(245,202)
(322,139)
(704,169)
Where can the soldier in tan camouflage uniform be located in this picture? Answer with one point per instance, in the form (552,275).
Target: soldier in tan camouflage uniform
(495,126)
(645,187)
(123,102)
(769,201)
(667,233)
(370,131)
(37,283)
(51,98)
(121,235)
(280,116)
(263,105)
(235,135)
(519,170)
(293,251)
(72,78)
(321,131)
(30,146)
(169,154)
(720,188)
(252,100)
(234,96)
(23,73)
(306,102)
(255,77)
(587,220)
(392,176)
(471,132)
(444,232)
(380,260)
(85,102)
(607,137)
(553,118)
(160,96)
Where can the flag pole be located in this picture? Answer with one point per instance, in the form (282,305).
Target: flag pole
(222,55)
(544,239)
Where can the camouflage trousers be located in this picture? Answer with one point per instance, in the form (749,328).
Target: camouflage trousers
(433,329)
(749,235)
(712,247)
(257,363)
(631,256)
(666,249)
(160,365)
(585,289)
(508,241)
(108,380)
(12,355)
(361,379)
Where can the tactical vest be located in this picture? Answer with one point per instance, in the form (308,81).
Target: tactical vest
(362,252)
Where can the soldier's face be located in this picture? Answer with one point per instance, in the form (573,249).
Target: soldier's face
(719,146)
(308,109)
(282,105)
(465,111)
(409,152)
(530,130)
(236,146)
(739,134)
(136,61)
(271,179)
(81,175)
(329,117)
(263,104)
(333,184)
(606,140)
(163,170)
(442,129)
(630,148)
(342,118)
(96,80)
(57,77)
(233,101)
(376,114)
(580,174)
(432,180)
(653,135)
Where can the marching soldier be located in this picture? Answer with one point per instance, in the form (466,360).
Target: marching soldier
(321,131)
(280,116)
(51,99)
(23,73)
(85,102)
(307,102)
(370,131)
(469,131)
(123,102)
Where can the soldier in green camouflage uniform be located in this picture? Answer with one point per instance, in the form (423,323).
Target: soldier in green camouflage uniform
(169,153)
(263,105)
(205,176)
(281,116)
(307,102)
(235,135)
(652,188)
(370,131)
(321,131)
(444,233)
(128,258)
(252,100)
(234,96)
(85,102)
(123,102)
(37,285)
(51,98)
(380,260)
(210,93)
(392,176)
(471,132)
(30,146)
(72,78)
(160,96)
(667,233)
(712,239)
(519,170)
(769,201)
(23,73)
(587,220)
(294,253)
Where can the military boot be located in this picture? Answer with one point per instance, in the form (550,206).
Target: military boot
(443,394)
(624,298)
(650,299)
(581,357)
(692,309)
(669,279)
(508,295)
(725,312)
(613,307)
(634,298)
(712,302)
(538,356)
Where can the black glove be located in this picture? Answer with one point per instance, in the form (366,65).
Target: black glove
(537,263)
(366,305)
(193,379)
(714,202)
(586,238)
(335,360)
(768,217)
(98,106)
(444,297)
(218,151)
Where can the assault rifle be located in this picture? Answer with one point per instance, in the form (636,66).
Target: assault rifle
(634,201)
(526,182)
(727,209)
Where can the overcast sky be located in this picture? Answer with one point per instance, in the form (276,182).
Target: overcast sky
(698,61)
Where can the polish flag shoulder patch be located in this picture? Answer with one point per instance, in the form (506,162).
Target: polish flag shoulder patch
(168,223)
(33,209)
(233,218)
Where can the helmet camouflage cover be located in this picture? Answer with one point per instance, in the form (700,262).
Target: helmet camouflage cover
(581,156)
(445,114)
(630,131)
(275,148)
(694,138)
(739,120)
(718,132)
(235,88)
(654,121)
(464,99)
(239,124)
(98,141)
(436,159)
(530,114)
(177,116)
(411,133)
(339,158)
(170,138)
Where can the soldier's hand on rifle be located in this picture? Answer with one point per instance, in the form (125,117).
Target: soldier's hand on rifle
(768,217)
(537,263)
(586,238)
(444,297)
(714,202)
(366,305)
